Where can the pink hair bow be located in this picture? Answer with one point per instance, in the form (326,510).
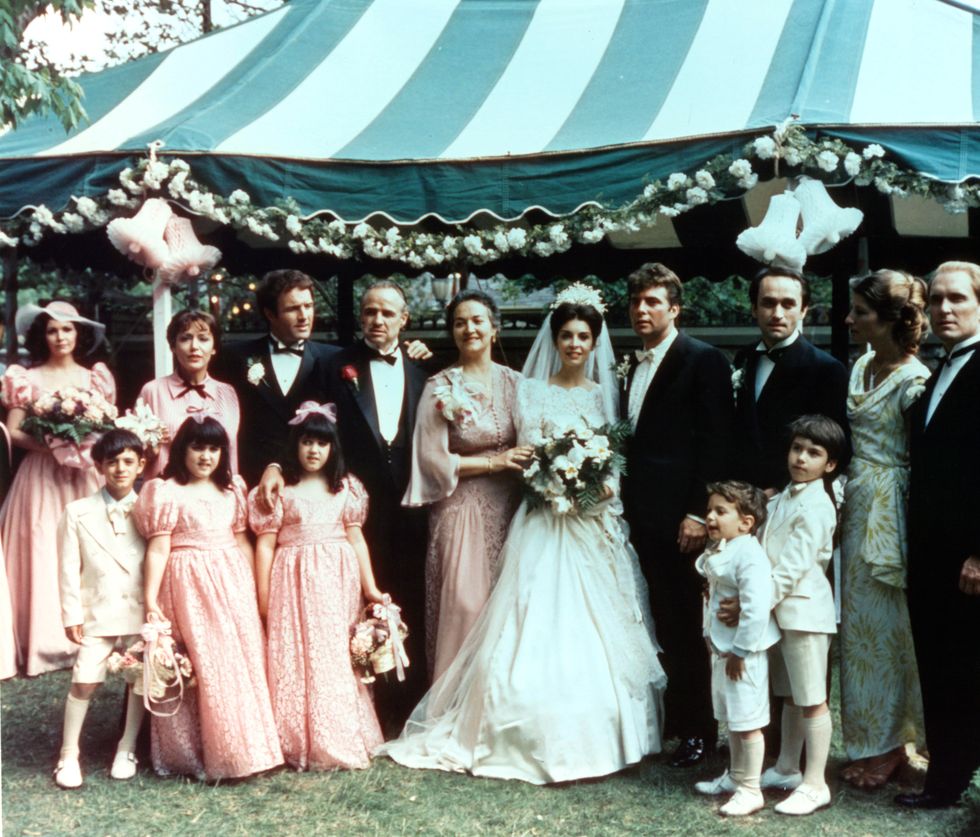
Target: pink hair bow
(309,408)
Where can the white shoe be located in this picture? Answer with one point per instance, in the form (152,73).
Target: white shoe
(715,787)
(123,766)
(68,773)
(743,802)
(804,800)
(772,778)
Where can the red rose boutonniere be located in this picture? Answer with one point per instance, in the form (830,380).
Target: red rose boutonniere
(349,374)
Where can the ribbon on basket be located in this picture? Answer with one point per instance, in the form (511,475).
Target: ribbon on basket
(157,635)
(393,615)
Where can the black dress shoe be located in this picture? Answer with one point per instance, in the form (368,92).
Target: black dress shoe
(690,752)
(924,801)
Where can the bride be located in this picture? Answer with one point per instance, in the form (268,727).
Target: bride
(559,678)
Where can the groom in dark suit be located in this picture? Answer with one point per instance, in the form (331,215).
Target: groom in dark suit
(944,540)
(678,397)
(275,373)
(376,387)
(780,378)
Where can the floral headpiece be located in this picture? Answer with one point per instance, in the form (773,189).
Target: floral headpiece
(580,294)
(309,408)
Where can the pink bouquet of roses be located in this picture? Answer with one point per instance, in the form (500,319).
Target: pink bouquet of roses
(377,643)
(67,421)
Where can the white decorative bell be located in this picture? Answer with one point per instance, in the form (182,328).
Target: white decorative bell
(774,241)
(141,237)
(188,256)
(824,222)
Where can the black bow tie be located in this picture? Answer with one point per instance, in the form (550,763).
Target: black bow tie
(198,388)
(282,349)
(774,354)
(391,359)
(948,361)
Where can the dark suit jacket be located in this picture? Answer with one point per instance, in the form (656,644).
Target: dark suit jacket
(357,422)
(265,408)
(682,438)
(944,491)
(804,381)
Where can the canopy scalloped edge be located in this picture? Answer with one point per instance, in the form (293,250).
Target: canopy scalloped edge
(722,177)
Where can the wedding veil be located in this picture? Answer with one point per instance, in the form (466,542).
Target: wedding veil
(543,361)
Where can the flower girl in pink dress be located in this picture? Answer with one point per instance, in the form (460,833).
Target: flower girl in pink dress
(199,575)
(312,566)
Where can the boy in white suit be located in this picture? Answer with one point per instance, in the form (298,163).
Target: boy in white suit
(101,566)
(798,538)
(736,565)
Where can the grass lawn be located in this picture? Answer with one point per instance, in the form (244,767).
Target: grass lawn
(651,799)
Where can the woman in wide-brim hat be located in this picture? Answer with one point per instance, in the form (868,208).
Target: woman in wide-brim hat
(57,338)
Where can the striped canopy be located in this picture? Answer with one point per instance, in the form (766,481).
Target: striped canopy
(451,108)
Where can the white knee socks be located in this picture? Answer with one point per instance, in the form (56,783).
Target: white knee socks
(134,718)
(75,711)
(753,753)
(792,743)
(817,731)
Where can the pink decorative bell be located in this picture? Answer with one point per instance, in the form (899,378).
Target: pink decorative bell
(774,241)
(824,222)
(188,256)
(141,237)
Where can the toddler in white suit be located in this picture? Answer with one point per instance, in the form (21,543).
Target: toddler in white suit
(735,565)
(101,555)
(798,538)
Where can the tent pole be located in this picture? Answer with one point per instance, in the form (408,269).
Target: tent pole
(162,312)
(10,288)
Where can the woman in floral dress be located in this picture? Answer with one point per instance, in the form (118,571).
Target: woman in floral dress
(465,464)
(881,702)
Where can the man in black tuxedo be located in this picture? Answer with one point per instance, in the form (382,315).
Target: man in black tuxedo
(780,378)
(274,374)
(944,540)
(678,396)
(376,387)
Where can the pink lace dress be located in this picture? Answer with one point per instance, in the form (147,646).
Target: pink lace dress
(224,728)
(324,713)
(29,521)
(469,516)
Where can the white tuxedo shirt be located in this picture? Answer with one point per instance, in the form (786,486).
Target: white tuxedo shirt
(101,573)
(798,538)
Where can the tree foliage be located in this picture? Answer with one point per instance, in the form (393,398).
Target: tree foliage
(29,86)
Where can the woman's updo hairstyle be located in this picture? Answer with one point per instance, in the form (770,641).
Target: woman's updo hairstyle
(472,295)
(568,311)
(898,298)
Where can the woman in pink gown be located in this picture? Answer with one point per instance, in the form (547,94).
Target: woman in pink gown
(194,339)
(8,648)
(465,464)
(312,568)
(199,576)
(42,487)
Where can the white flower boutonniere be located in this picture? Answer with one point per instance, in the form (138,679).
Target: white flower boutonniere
(459,400)
(256,372)
(738,376)
(622,370)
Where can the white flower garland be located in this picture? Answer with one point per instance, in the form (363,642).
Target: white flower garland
(723,177)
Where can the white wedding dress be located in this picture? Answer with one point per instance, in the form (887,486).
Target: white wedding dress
(559,678)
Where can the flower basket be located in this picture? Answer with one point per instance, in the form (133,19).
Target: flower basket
(377,642)
(170,672)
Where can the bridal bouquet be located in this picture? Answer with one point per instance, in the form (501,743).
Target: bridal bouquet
(142,421)
(573,463)
(67,420)
(168,672)
(377,642)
